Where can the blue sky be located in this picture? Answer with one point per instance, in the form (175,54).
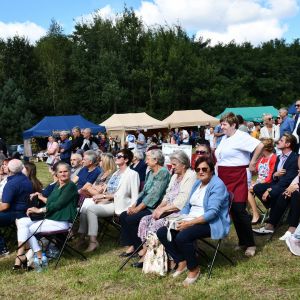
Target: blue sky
(220,20)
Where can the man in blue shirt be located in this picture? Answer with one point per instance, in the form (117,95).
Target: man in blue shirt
(15,198)
(65,147)
(287,124)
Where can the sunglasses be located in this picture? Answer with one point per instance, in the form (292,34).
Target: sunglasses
(201,152)
(204,170)
(270,119)
(119,156)
(297,105)
(278,118)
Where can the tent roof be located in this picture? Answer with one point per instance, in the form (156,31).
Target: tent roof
(251,113)
(56,123)
(132,121)
(186,118)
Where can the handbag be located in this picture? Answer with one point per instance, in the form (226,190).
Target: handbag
(156,259)
(36,202)
(173,223)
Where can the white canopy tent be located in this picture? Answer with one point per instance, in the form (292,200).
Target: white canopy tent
(188,118)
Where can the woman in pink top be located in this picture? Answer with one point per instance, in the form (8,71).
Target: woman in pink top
(52,150)
(264,167)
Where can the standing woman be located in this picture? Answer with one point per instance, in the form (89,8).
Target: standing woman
(52,150)
(233,158)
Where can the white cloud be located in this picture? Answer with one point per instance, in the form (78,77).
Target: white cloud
(223,20)
(106,13)
(27,29)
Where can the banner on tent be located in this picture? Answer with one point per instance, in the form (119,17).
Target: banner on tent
(168,149)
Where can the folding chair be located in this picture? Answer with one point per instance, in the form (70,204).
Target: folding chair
(215,247)
(110,222)
(61,239)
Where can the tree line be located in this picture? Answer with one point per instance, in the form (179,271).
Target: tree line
(118,66)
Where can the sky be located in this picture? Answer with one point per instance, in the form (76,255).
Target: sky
(254,21)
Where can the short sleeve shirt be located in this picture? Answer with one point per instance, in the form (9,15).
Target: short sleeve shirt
(141,138)
(16,192)
(130,139)
(85,176)
(235,150)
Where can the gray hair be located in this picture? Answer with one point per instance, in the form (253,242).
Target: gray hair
(138,154)
(92,156)
(62,163)
(64,132)
(158,155)
(265,116)
(181,157)
(88,130)
(283,109)
(76,128)
(15,166)
(77,156)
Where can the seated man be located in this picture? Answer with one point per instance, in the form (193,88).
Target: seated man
(15,197)
(76,164)
(90,171)
(286,169)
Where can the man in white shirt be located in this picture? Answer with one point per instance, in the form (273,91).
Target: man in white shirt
(184,137)
(207,131)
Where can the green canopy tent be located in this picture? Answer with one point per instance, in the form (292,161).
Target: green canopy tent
(251,113)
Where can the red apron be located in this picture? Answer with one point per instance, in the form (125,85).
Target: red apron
(235,179)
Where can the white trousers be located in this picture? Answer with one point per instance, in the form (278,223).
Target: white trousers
(26,227)
(90,212)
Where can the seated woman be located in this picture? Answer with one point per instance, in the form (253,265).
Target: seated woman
(108,168)
(154,189)
(264,167)
(60,209)
(139,165)
(30,171)
(206,216)
(120,192)
(176,196)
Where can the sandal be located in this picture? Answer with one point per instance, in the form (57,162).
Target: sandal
(22,265)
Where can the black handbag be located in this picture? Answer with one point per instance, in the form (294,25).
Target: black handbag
(36,202)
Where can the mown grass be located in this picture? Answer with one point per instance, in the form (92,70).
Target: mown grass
(273,273)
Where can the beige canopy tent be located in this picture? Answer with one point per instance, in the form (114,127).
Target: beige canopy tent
(117,124)
(188,118)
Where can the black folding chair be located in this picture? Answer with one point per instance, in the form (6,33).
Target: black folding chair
(61,239)
(215,247)
(107,224)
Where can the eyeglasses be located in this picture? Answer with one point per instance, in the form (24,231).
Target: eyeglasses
(278,118)
(297,105)
(204,170)
(118,156)
(201,152)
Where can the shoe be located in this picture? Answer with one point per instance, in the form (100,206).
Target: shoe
(93,246)
(263,231)
(126,254)
(239,247)
(22,261)
(250,251)
(4,252)
(188,281)
(285,236)
(257,221)
(137,265)
(178,273)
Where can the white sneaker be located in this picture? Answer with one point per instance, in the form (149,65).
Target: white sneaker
(285,236)
(188,281)
(263,231)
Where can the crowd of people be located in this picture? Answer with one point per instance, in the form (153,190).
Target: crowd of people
(134,185)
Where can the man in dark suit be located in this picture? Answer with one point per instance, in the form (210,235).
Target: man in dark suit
(296,129)
(286,169)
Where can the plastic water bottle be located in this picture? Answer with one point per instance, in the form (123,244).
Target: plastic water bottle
(37,264)
(44,261)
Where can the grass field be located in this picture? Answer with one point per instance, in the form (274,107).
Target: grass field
(272,274)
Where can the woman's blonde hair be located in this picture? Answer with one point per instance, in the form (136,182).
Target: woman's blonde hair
(108,163)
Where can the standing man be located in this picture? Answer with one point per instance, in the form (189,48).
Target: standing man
(89,143)
(287,124)
(207,132)
(65,147)
(218,135)
(185,137)
(141,144)
(296,131)
(130,141)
